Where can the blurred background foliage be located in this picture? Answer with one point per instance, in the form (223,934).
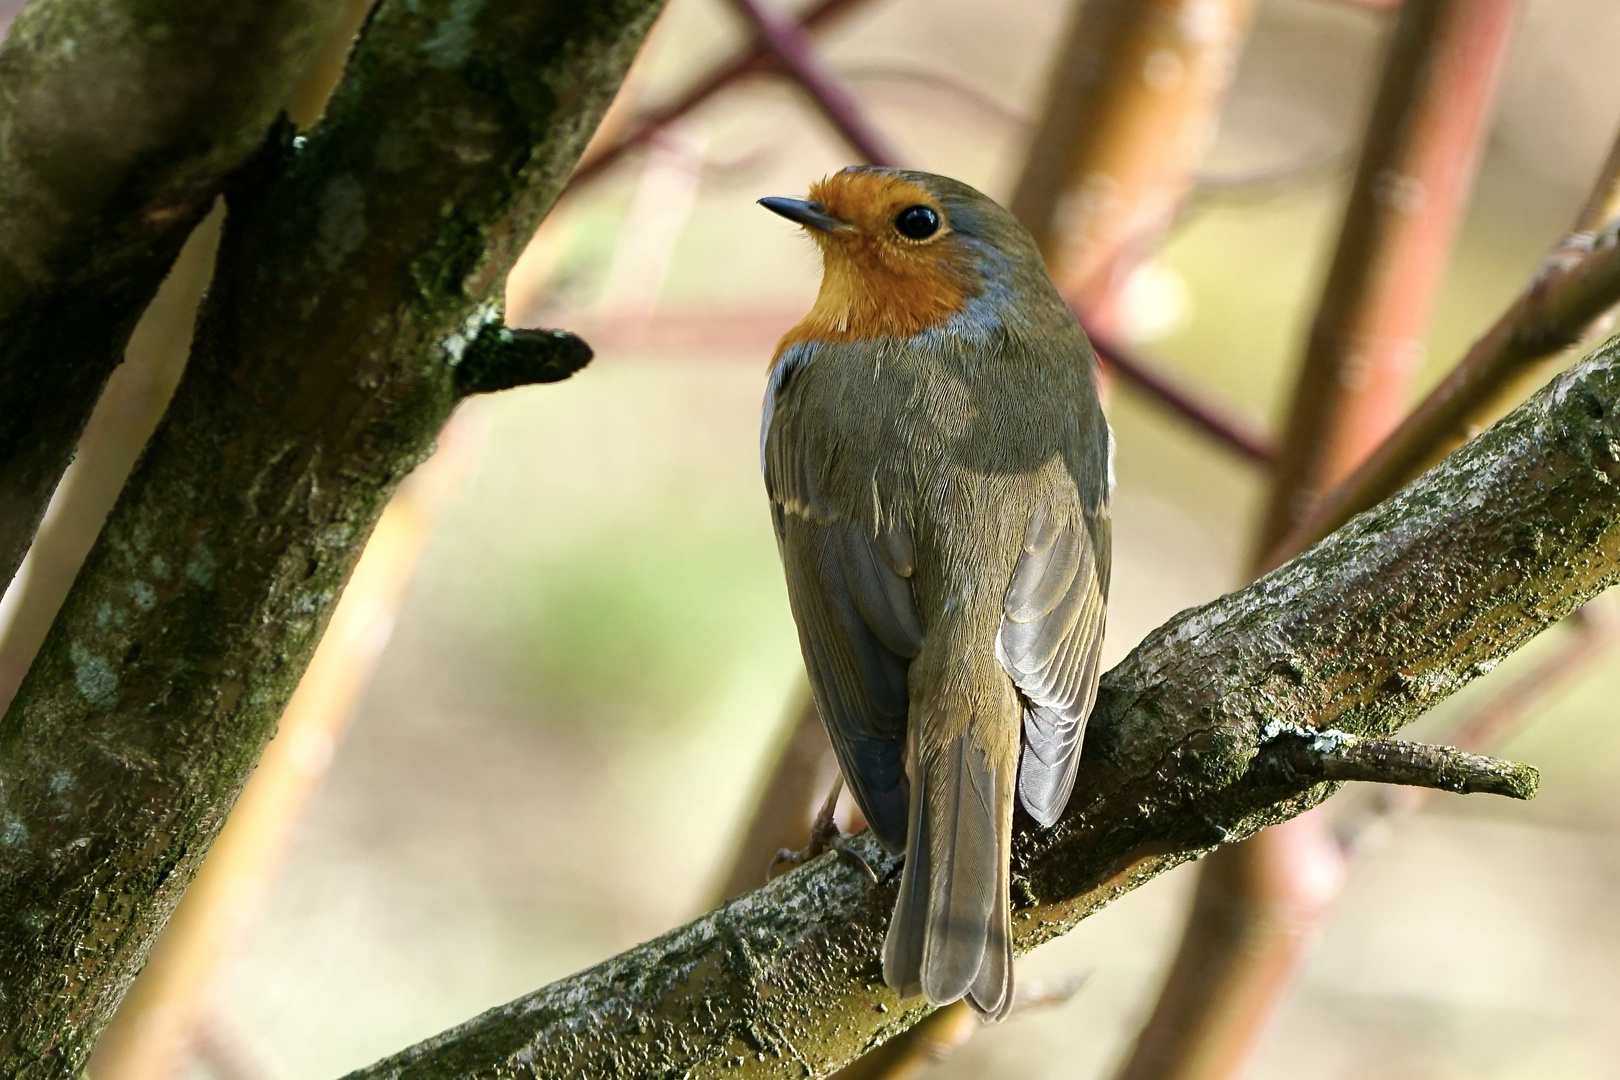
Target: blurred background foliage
(569,721)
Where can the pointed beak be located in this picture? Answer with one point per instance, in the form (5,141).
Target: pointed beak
(812,215)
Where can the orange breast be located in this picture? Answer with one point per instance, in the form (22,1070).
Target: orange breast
(870,297)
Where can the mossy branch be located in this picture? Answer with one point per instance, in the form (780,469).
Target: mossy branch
(1360,635)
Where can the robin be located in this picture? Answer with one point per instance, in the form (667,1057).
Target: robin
(939,470)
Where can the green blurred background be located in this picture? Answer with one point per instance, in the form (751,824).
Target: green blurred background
(569,722)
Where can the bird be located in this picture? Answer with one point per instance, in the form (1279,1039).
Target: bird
(940,471)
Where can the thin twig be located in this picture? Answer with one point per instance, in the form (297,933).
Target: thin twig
(786,795)
(1227,430)
(753,59)
(1412,182)
(792,48)
(1602,204)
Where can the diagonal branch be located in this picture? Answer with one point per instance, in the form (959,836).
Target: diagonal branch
(752,59)
(1575,287)
(1363,633)
(1224,428)
(787,41)
(1416,168)
(121,121)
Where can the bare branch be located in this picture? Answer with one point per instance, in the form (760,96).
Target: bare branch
(786,796)
(1602,203)
(787,41)
(1208,418)
(1415,171)
(1576,286)
(752,59)
(1125,120)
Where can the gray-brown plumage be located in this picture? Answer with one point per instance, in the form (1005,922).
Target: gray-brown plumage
(938,467)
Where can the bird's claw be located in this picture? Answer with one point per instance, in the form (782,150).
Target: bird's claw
(825,835)
(840,844)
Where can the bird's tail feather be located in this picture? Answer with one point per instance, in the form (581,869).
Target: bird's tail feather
(903,947)
(951,934)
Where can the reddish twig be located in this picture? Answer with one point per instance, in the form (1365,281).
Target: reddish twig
(1205,417)
(791,47)
(1412,183)
(1573,290)
(1127,114)
(753,59)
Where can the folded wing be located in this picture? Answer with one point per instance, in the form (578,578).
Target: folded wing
(857,618)
(1050,644)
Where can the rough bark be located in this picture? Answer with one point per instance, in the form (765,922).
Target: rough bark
(1191,746)
(357,270)
(119,121)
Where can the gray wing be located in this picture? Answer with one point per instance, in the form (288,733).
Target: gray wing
(1050,643)
(858,622)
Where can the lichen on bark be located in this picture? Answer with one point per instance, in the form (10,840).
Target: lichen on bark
(1362,633)
(351,264)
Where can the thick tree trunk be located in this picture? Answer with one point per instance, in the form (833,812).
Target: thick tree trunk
(353,304)
(1202,736)
(121,122)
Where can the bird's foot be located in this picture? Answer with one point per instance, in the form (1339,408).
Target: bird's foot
(825,835)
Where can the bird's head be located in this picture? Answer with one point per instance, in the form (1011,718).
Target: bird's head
(903,251)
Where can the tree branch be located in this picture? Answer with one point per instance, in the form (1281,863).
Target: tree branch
(1363,633)
(789,44)
(121,122)
(751,59)
(787,797)
(352,266)
(1576,286)
(1131,100)
(1413,177)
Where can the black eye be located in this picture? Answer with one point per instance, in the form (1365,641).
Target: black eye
(917,222)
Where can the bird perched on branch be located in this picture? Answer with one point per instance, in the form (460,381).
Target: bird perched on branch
(939,471)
